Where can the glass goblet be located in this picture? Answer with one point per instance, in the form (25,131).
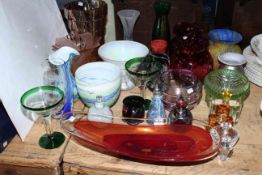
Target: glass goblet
(143,69)
(43,100)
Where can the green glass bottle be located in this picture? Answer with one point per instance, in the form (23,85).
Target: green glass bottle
(161,25)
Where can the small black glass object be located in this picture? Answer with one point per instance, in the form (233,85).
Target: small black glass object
(133,108)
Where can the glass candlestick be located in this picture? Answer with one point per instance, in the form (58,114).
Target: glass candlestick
(229,136)
(128,19)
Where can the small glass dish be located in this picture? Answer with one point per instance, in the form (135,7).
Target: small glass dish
(232,60)
(180,82)
(143,142)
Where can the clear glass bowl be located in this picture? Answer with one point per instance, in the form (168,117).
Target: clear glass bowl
(159,143)
(180,82)
(232,81)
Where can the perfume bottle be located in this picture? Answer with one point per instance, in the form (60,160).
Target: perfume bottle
(99,112)
(180,114)
(156,113)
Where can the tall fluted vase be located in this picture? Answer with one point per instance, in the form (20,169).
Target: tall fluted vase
(128,18)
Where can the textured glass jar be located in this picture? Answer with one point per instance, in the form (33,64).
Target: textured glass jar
(233,81)
(229,87)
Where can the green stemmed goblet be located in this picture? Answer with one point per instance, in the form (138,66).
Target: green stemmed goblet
(143,69)
(44,100)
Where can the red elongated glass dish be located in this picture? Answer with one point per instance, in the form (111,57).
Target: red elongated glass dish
(161,143)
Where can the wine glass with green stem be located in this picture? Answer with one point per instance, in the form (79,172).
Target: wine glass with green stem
(144,70)
(43,101)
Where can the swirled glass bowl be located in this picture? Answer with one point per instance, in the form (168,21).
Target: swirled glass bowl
(161,143)
(232,81)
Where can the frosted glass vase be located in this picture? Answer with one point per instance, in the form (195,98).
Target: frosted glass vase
(128,18)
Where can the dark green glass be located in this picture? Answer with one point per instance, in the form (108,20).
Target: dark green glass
(161,25)
(51,141)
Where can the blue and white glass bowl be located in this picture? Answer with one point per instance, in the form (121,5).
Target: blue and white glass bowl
(98,79)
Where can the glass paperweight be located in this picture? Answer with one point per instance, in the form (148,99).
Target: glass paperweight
(143,142)
(180,82)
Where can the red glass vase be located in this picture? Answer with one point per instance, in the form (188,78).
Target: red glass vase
(189,50)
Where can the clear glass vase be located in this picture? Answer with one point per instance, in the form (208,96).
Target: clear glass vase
(128,18)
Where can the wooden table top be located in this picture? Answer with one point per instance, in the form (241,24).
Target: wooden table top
(72,158)
(30,154)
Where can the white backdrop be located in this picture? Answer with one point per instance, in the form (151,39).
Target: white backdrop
(28,29)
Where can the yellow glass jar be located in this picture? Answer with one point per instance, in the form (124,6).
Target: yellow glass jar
(221,41)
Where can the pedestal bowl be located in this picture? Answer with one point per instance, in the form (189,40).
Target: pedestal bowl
(118,53)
